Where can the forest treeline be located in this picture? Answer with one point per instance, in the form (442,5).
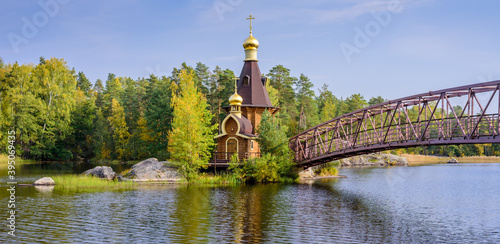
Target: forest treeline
(58,114)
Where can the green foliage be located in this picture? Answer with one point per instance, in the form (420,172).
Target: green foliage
(276,163)
(376,100)
(272,138)
(273,94)
(191,138)
(327,104)
(82,122)
(353,103)
(119,129)
(78,182)
(225,88)
(84,84)
(58,115)
(306,103)
(36,102)
(217,179)
(158,114)
(204,78)
(101,138)
(328,171)
(281,80)
(268,168)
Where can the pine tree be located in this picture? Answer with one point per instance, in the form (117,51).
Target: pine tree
(306,103)
(276,162)
(376,100)
(327,104)
(281,80)
(354,102)
(191,139)
(203,76)
(82,124)
(101,138)
(83,83)
(158,113)
(225,88)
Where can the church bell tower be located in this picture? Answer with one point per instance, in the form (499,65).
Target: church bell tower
(250,99)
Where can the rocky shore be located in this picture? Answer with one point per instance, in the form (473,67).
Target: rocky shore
(374,159)
(148,170)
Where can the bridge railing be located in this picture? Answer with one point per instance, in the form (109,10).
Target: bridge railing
(426,119)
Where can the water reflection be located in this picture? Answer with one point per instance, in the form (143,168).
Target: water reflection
(362,208)
(44,189)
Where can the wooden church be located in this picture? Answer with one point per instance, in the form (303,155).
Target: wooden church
(250,99)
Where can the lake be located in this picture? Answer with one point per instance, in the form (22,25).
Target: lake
(457,203)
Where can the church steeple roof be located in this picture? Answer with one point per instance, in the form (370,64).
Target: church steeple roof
(251,84)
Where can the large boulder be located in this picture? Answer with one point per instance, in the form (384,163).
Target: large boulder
(374,159)
(104,172)
(307,173)
(45,181)
(153,170)
(453,161)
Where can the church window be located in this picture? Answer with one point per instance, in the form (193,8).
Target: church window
(251,144)
(245,81)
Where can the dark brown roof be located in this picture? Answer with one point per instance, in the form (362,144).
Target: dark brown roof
(254,94)
(246,127)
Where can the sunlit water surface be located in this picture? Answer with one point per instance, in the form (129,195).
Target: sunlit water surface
(457,203)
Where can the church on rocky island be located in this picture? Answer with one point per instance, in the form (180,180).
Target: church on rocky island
(250,99)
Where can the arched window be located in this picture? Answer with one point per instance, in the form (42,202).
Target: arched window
(246,81)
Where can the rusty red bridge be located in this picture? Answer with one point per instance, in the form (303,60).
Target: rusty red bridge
(459,115)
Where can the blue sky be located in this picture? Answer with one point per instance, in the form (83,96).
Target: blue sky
(390,48)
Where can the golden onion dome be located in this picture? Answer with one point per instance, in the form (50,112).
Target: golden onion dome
(235,99)
(251,43)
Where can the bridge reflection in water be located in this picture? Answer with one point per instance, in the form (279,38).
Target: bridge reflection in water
(460,115)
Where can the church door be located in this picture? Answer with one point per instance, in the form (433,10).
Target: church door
(231,147)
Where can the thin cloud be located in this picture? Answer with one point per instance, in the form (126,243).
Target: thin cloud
(334,15)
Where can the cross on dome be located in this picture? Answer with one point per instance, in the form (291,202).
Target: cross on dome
(250,18)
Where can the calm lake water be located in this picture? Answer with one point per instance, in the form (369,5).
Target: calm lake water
(457,203)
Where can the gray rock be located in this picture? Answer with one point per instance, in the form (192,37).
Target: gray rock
(374,159)
(453,161)
(45,181)
(104,172)
(153,170)
(307,173)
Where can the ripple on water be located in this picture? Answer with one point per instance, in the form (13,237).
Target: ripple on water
(421,204)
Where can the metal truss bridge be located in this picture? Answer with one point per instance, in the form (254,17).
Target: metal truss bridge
(460,115)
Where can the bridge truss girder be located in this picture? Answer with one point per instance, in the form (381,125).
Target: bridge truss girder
(432,118)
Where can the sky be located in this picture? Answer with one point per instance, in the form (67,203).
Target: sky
(388,48)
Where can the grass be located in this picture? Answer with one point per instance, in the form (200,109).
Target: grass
(429,159)
(328,171)
(5,159)
(89,182)
(125,172)
(219,179)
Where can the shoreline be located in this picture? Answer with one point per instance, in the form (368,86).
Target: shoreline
(310,179)
(429,159)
